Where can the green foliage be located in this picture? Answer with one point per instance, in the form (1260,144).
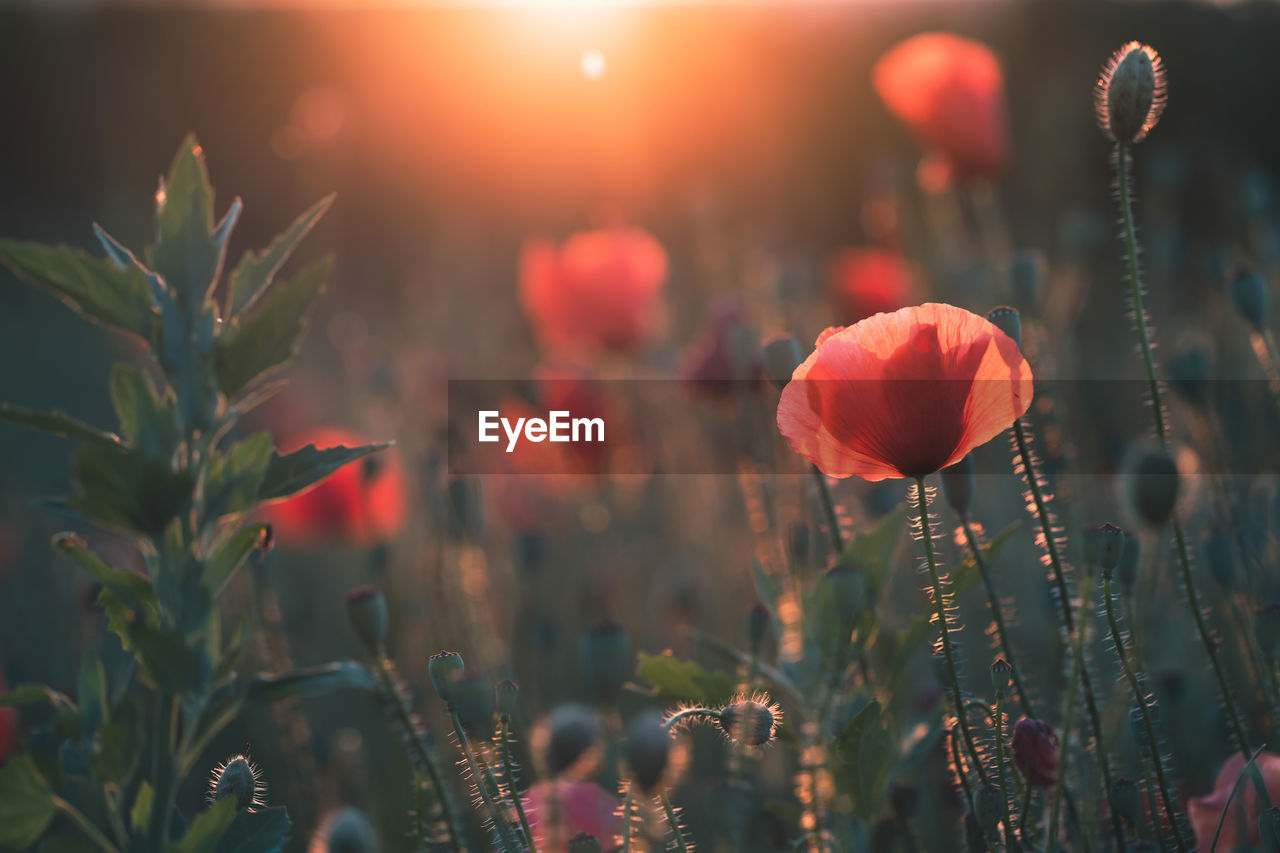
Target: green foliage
(26,804)
(293,472)
(865,754)
(101,290)
(685,681)
(256,270)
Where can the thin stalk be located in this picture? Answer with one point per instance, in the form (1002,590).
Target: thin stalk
(485,783)
(944,631)
(689,714)
(505,730)
(627,819)
(1026,825)
(1068,709)
(162,772)
(85,825)
(953,740)
(1011,843)
(1157,827)
(829,509)
(997,612)
(674,823)
(1171,806)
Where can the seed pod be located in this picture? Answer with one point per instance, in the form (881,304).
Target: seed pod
(347,831)
(1007,320)
(604,654)
(1130,95)
(646,750)
(507,696)
(781,358)
(1126,801)
(571,732)
(1104,546)
(1035,752)
(367,612)
(472,699)
(1152,485)
(749,722)
(988,808)
(1249,295)
(445,668)
(1001,676)
(583,843)
(959,484)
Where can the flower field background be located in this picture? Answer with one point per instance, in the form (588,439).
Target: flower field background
(718,630)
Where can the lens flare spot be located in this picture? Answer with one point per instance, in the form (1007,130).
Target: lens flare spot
(593,64)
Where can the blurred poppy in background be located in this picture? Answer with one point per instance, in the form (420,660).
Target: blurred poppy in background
(868,281)
(10,740)
(726,351)
(950,91)
(362,503)
(1204,812)
(560,809)
(904,394)
(599,291)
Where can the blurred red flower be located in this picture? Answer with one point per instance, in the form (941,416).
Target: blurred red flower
(1035,751)
(10,737)
(1245,809)
(599,291)
(869,281)
(725,353)
(363,503)
(950,91)
(904,394)
(560,809)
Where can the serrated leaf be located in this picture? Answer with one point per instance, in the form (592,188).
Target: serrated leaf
(229,556)
(27,804)
(865,756)
(293,472)
(124,488)
(208,828)
(255,271)
(146,418)
(685,681)
(235,479)
(260,341)
(59,423)
(119,742)
(141,811)
(259,831)
(95,287)
(185,254)
(314,681)
(132,588)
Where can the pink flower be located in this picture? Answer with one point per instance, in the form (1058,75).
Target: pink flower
(1245,809)
(560,809)
(868,281)
(1035,751)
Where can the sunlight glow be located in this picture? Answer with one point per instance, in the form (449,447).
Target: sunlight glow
(593,64)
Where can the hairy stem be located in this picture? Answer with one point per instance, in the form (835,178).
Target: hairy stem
(509,773)
(997,612)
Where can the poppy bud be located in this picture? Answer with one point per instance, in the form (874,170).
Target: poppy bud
(1035,752)
(1001,676)
(1009,321)
(749,722)
(1152,487)
(846,588)
(1026,278)
(1129,96)
(445,668)
(1249,295)
(604,654)
(573,730)
(1189,371)
(507,695)
(959,483)
(1126,800)
(781,358)
(1269,830)
(1130,561)
(646,750)
(237,778)
(1104,546)
(758,621)
(1266,630)
(583,843)
(367,612)
(348,831)
(988,808)
(471,697)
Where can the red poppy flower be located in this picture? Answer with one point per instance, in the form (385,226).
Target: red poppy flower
(363,503)
(904,394)
(950,91)
(599,291)
(865,282)
(1035,751)
(560,809)
(1245,809)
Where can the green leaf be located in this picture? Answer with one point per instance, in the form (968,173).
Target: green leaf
(27,804)
(260,831)
(119,742)
(685,681)
(131,588)
(59,423)
(141,811)
(865,757)
(314,681)
(234,651)
(872,551)
(185,254)
(91,690)
(235,478)
(229,556)
(34,694)
(255,271)
(126,489)
(293,472)
(172,662)
(256,343)
(97,288)
(208,828)
(146,417)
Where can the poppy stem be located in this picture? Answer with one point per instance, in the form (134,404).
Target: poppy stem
(509,773)
(1171,807)
(944,629)
(1068,711)
(1011,843)
(674,823)
(997,611)
(486,785)
(829,509)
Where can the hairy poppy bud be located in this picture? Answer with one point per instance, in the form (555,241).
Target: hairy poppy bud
(1126,800)
(781,358)
(646,750)
(445,668)
(367,611)
(583,843)
(1249,295)
(604,654)
(239,779)
(1152,485)
(348,831)
(472,700)
(1026,278)
(1130,94)
(749,722)
(1104,546)
(988,808)
(758,622)
(959,484)
(1269,830)
(1001,676)
(571,732)
(1035,752)
(507,695)
(1266,630)
(1007,320)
